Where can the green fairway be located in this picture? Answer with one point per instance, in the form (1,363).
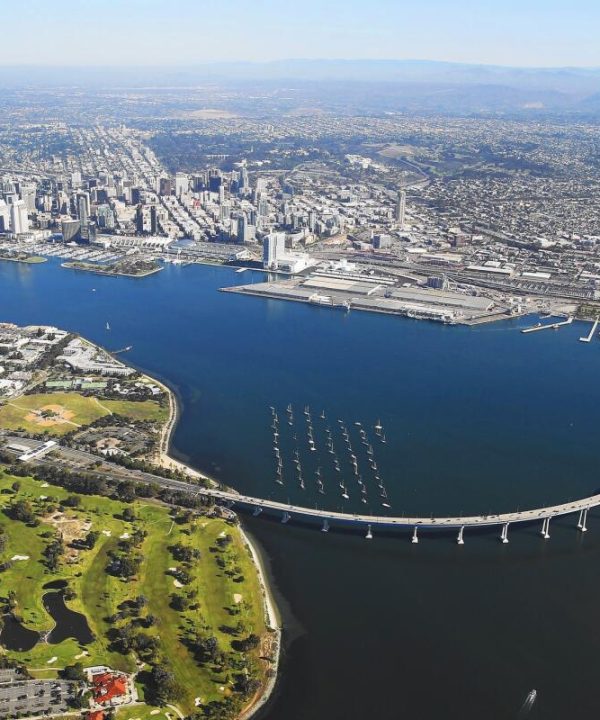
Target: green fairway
(223,578)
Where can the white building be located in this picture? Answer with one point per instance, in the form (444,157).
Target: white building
(277,257)
(182,184)
(19,222)
(273,250)
(4,216)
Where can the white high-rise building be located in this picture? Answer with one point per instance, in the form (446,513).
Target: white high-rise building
(4,216)
(182,184)
(83,207)
(401,209)
(273,250)
(19,222)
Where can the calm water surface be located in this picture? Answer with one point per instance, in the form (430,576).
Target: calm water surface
(476,420)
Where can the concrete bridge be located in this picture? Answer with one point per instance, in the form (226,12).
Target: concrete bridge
(326,519)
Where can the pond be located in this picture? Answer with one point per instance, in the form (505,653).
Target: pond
(55,585)
(15,636)
(69,624)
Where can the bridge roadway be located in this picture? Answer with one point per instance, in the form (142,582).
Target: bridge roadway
(331,518)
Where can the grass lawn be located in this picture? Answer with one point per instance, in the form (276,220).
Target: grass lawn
(226,595)
(70,410)
(66,411)
(144,410)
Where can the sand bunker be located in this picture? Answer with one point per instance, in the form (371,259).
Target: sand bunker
(50,415)
(237,598)
(19,557)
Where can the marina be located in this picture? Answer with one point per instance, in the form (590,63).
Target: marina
(325,463)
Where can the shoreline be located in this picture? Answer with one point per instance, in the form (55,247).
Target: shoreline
(98,271)
(32,260)
(274,625)
(272,615)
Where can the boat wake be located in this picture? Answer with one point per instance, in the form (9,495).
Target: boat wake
(528,704)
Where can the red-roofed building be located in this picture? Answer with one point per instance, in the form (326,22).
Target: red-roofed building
(95,715)
(108,686)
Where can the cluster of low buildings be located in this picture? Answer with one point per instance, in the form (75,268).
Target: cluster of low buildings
(22,350)
(73,364)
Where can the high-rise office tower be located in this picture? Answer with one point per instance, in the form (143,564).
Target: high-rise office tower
(242,228)
(273,250)
(153,220)
(4,216)
(139,219)
(19,222)
(400,209)
(182,184)
(83,207)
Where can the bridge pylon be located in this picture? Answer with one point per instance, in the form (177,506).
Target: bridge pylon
(581,523)
(545,532)
(504,534)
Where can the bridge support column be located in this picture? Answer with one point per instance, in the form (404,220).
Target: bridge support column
(325,527)
(504,535)
(369,534)
(257,510)
(286,517)
(582,520)
(415,538)
(459,539)
(545,533)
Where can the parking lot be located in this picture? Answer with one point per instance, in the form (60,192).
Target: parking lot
(33,697)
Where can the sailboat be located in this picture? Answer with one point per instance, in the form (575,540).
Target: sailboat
(107,326)
(323,415)
(378,427)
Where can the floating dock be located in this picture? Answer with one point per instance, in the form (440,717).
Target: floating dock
(589,338)
(550,326)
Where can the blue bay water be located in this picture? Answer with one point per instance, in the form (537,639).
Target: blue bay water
(476,420)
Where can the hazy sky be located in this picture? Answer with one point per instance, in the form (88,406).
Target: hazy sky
(154,32)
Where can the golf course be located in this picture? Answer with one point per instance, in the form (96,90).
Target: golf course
(156,585)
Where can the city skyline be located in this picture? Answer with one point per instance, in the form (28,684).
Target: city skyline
(539,35)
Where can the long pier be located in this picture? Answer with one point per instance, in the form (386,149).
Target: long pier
(588,338)
(550,326)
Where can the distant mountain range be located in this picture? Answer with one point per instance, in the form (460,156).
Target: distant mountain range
(412,83)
